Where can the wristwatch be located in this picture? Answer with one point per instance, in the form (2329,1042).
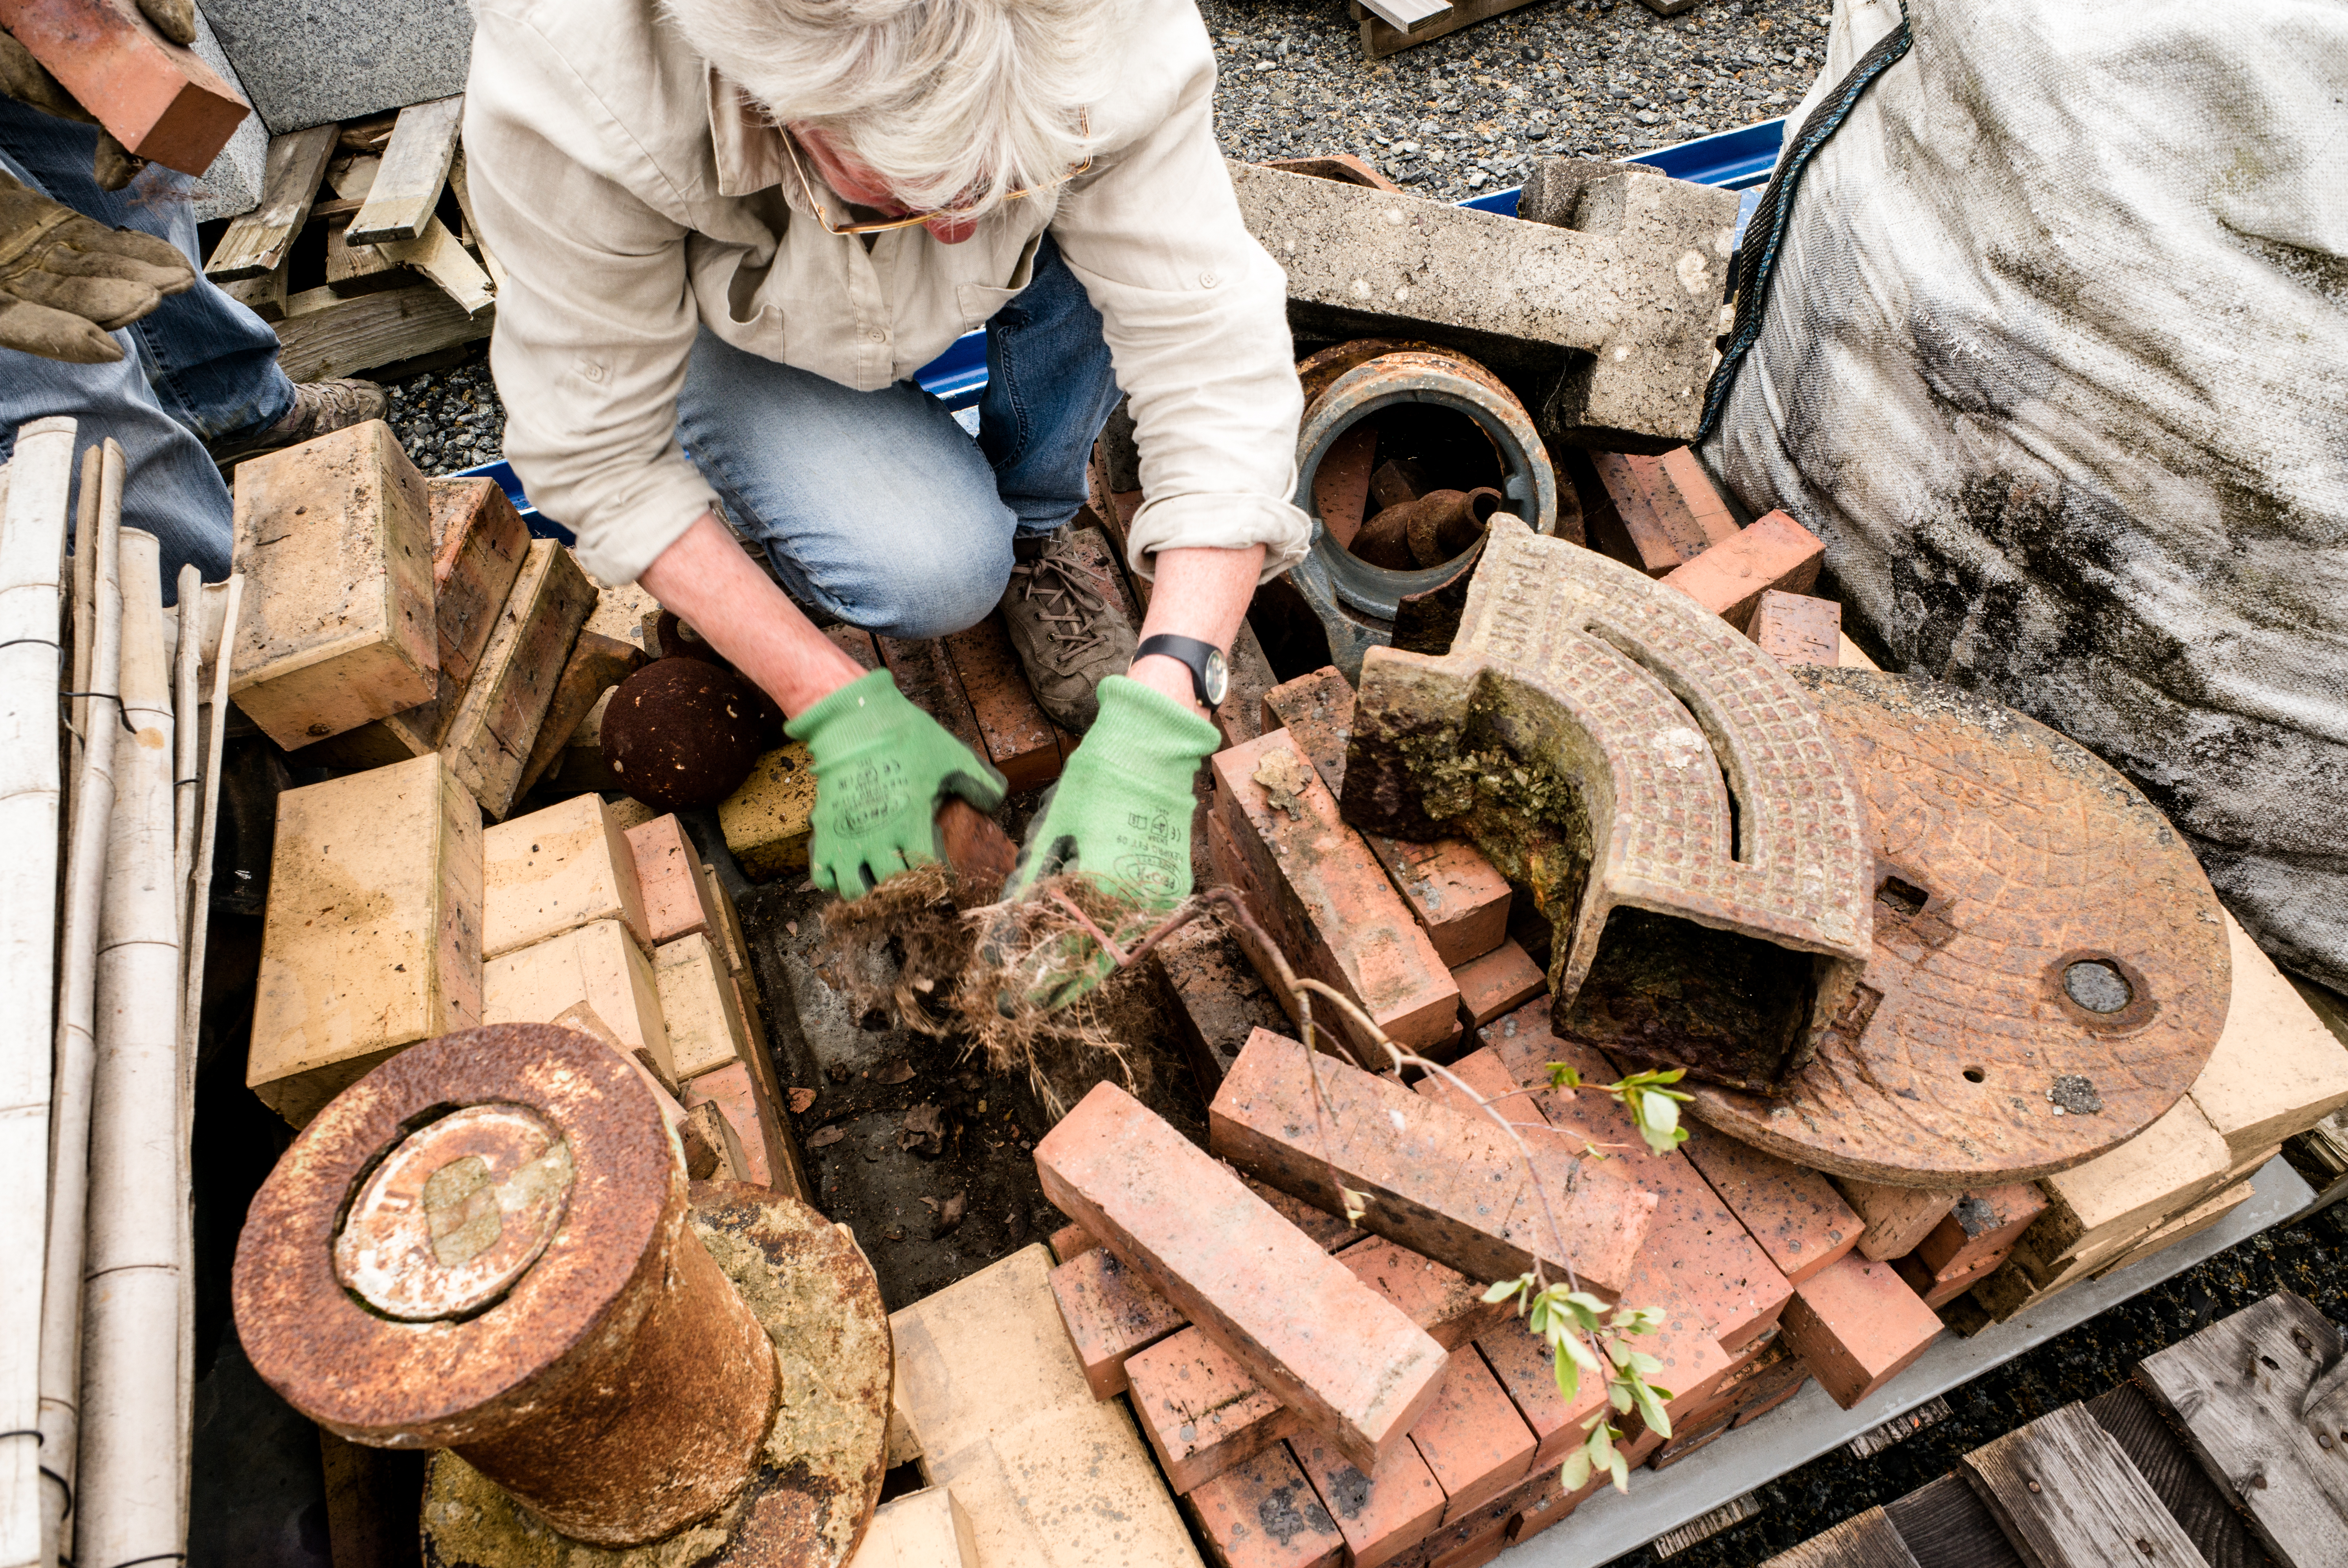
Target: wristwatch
(1210,676)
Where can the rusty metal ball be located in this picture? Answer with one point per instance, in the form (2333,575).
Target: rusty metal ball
(682,734)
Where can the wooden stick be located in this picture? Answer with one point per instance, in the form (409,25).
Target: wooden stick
(415,167)
(127,1507)
(32,599)
(433,252)
(255,244)
(461,184)
(187,795)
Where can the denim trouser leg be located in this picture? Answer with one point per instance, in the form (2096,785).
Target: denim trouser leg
(875,507)
(199,365)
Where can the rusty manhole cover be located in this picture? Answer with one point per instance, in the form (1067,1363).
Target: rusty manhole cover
(2050,969)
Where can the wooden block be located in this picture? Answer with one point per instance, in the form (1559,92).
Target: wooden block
(1381,1515)
(354,271)
(1352,1364)
(597,664)
(2276,1071)
(255,244)
(1499,982)
(1234,1511)
(1796,1215)
(554,869)
(1002,1415)
(1018,739)
(2174,1162)
(1866,1540)
(324,335)
(924,1529)
(334,539)
(668,878)
(264,296)
(2066,1492)
(478,544)
(2176,1476)
(373,936)
(1446,1185)
(599,965)
(1795,628)
(157,98)
(1202,1412)
(495,725)
(1897,1219)
(1857,1325)
(1472,1439)
(769,822)
(1728,579)
(434,252)
(703,1031)
(1111,1312)
(408,186)
(1984,1224)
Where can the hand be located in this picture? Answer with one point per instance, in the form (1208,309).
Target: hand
(67,280)
(882,767)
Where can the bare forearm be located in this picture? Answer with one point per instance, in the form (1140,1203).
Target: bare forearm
(712,586)
(1201,593)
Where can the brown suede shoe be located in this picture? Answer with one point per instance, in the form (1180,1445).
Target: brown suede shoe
(319,407)
(1069,635)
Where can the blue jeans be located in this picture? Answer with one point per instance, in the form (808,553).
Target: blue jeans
(876,507)
(199,366)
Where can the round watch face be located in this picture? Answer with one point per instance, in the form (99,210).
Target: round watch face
(1218,678)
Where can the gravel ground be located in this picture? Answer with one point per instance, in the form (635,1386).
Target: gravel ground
(1601,79)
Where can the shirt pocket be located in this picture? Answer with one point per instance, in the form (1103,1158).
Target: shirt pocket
(977,302)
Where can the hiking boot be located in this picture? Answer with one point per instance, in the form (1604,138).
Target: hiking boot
(319,407)
(1069,633)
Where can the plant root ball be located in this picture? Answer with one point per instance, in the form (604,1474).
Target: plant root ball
(682,734)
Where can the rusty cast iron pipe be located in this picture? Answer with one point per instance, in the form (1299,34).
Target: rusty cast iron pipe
(1428,531)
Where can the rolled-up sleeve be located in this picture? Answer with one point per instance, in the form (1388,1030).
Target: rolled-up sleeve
(1196,317)
(596,317)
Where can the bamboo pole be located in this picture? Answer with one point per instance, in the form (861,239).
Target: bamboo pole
(127,1507)
(187,795)
(75,1038)
(85,613)
(32,599)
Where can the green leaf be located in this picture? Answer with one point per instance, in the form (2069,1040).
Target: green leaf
(1574,1473)
(1507,1288)
(1646,1366)
(1569,1378)
(1561,1076)
(1618,1394)
(1620,1472)
(1651,1409)
(1662,1114)
(1601,1442)
(1356,1204)
(1572,1345)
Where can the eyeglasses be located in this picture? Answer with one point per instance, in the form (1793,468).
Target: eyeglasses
(879,226)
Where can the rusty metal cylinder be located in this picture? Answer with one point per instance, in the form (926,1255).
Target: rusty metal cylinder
(481,1246)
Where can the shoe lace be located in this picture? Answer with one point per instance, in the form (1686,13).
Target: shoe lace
(1070,609)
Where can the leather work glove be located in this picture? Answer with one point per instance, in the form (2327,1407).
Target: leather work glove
(67,280)
(881,768)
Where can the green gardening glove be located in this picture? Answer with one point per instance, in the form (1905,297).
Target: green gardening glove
(881,769)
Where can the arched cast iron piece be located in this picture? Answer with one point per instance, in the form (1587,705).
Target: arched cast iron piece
(619,1387)
(2006,854)
(1588,730)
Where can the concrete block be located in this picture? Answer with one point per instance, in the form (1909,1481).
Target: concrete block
(1501,982)
(2276,1071)
(1263,1513)
(668,881)
(1520,1361)
(334,539)
(924,1529)
(1001,1413)
(1729,578)
(2171,1164)
(1450,1186)
(1381,1515)
(1324,898)
(1444,1302)
(770,820)
(1856,1325)
(1202,1412)
(373,936)
(1659,513)
(157,98)
(1629,278)
(1019,740)
(1354,1365)
(1796,628)
(1472,1439)
(598,964)
(495,725)
(1220,1000)
(232,184)
(1796,1215)
(478,545)
(697,1007)
(1897,1219)
(1983,1226)
(1110,1312)
(304,65)
(554,869)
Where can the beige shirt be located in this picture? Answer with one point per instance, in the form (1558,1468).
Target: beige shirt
(633,197)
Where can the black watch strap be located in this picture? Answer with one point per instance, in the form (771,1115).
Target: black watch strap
(1193,654)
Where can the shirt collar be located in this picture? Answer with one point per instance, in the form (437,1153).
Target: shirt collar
(751,155)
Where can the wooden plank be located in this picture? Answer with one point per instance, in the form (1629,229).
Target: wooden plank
(1862,1540)
(2068,1496)
(461,186)
(1379,40)
(434,253)
(1944,1525)
(323,336)
(1407,16)
(355,270)
(2176,1478)
(264,296)
(255,244)
(414,167)
(2236,1390)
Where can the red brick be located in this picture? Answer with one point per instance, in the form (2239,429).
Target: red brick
(1896,1218)
(1857,1325)
(1501,982)
(1693,1362)
(925,674)
(1758,1381)
(1728,579)
(1939,1290)
(1219,998)
(1799,1218)
(1489,1082)
(1349,1361)
(1795,628)
(1381,1515)
(1984,1224)
(1685,1443)
(1020,740)
(1069,1241)
(1328,1231)
(668,874)
(158,100)
(1322,898)
(1472,1439)
(1684,473)
(1754,1411)
(1109,1312)
(1444,1302)
(1533,1505)
(1266,1514)
(1450,1186)
(765,1143)
(1201,1411)
(1520,1360)
(856,643)
(1646,520)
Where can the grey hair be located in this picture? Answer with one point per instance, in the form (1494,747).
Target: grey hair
(952,102)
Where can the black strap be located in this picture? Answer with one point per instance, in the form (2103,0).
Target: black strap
(1758,261)
(1186,650)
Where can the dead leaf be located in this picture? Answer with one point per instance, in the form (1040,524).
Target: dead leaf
(895,1072)
(922,1125)
(801,1099)
(949,1213)
(1283,779)
(823,1137)
(791,927)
